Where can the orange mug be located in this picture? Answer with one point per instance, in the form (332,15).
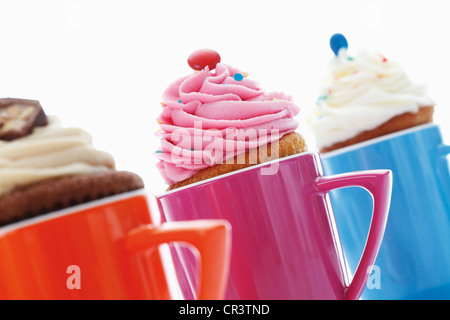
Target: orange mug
(107,249)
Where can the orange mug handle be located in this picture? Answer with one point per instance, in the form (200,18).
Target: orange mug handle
(212,238)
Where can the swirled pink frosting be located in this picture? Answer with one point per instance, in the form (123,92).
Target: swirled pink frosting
(209,117)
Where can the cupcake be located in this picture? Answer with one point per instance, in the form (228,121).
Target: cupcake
(364,97)
(217,120)
(45,167)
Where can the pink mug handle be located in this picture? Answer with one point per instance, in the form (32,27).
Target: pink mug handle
(379,185)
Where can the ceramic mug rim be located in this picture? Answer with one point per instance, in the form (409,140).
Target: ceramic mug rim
(377,140)
(71,210)
(253,167)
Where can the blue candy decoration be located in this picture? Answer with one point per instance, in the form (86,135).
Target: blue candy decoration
(238,77)
(337,42)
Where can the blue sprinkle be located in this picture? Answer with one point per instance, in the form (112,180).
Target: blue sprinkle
(337,42)
(179,101)
(322,98)
(159,151)
(238,77)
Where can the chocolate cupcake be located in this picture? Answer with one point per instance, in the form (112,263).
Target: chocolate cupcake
(45,167)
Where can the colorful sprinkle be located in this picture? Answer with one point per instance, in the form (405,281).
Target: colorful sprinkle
(163,104)
(317,115)
(179,101)
(274,99)
(159,121)
(342,73)
(238,77)
(322,98)
(338,42)
(350,58)
(384,59)
(159,151)
(245,74)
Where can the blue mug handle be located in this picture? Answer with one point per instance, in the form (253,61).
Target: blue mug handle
(444,150)
(443,167)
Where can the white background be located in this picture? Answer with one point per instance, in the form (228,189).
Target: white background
(103,65)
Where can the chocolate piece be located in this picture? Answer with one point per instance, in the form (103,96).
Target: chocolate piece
(18,117)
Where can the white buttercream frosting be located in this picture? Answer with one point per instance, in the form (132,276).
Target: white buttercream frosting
(360,93)
(49,152)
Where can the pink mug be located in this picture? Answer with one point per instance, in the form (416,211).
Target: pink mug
(285,243)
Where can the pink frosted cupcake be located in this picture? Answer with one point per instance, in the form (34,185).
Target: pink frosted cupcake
(218,120)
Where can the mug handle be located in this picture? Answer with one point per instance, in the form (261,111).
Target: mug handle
(379,184)
(444,150)
(212,238)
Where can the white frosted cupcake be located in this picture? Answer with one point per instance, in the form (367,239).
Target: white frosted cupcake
(364,97)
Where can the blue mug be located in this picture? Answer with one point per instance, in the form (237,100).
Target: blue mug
(414,259)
